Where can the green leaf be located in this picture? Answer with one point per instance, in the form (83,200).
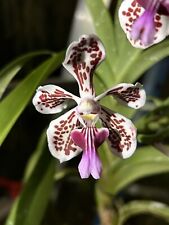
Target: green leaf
(157,136)
(104,28)
(35,157)
(147,207)
(104,71)
(30,206)
(147,59)
(119,33)
(127,61)
(145,162)
(10,70)
(12,106)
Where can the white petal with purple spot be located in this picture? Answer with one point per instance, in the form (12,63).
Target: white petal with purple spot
(131,95)
(81,59)
(130,11)
(122,133)
(59,138)
(51,99)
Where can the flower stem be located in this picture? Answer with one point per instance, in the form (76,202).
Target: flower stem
(106,211)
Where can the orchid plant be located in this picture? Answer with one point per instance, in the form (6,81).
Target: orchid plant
(145,22)
(76,130)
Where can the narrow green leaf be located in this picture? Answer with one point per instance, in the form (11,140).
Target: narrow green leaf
(119,33)
(147,207)
(104,28)
(10,70)
(30,206)
(145,162)
(13,105)
(35,157)
(5,80)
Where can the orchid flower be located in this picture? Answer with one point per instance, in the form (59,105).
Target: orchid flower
(77,130)
(145,22)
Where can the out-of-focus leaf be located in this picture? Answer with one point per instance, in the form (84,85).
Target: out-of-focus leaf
(147,59)
(63,172)
(105,30)
(13,105)
(158,209)
(120,36)
(30,206)
(158,136)
(145,162)
(35,157)
(164,148)
(10,70)
(104,71)
(127,61)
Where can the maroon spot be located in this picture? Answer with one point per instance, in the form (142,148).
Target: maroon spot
(128,14)
(133,3)
(130,9)
(84,65)
(84,76)
(158,17)
(87,69)
(93,55)
(131,19)
(158,24)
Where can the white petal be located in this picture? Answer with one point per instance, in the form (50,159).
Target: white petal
(129,11)
(81,59)
(51,99)
(60,143)
(131,95)
(122,133)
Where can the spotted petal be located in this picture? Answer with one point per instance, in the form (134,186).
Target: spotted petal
(122,133)
(51,99)
(60,142)
(129,11)
(81,59)
(131,95)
